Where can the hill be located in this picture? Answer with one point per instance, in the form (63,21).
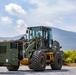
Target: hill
(66,39)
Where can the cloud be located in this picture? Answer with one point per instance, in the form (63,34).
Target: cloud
(6,20)
(15,9)
(54,7)
(48,11)
(49,24)
(52,13)
(21,26)
(61,25)
(70,28)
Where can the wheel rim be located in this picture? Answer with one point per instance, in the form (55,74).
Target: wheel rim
(42,61)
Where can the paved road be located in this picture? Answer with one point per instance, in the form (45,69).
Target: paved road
(25,71)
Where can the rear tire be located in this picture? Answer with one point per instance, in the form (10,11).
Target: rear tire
(58,62)
(13,68)
(39,61)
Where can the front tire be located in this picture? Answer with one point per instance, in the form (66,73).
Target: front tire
(39,61)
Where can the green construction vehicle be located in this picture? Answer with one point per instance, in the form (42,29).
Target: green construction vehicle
(35,49)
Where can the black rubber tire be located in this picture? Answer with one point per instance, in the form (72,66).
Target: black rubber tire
(39,61)
(13,68)
(30,66)
(58,62)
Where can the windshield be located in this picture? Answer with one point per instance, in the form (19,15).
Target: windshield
(35,33)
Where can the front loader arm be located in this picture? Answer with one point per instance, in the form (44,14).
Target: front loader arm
(29,49)
(33,43)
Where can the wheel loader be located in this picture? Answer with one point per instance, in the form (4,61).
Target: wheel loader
(35,49)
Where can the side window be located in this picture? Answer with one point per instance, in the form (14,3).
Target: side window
(32,34)
(3,49)
(50,38)
(46,39)
(45,34)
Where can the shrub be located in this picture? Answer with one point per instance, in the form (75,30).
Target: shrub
(68,60)
(70,56)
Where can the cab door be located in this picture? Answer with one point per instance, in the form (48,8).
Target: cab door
(47,36)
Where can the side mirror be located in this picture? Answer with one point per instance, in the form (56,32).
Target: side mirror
(60,46)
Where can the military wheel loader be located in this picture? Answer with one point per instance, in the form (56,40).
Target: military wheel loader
(35,49)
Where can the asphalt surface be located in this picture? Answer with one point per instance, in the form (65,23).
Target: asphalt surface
(24,70)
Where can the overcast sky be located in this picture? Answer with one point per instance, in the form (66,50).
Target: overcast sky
(16,15)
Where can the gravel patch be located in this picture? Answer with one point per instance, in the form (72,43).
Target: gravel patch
(24,70)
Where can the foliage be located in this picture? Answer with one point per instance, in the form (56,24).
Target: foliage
(70,56)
